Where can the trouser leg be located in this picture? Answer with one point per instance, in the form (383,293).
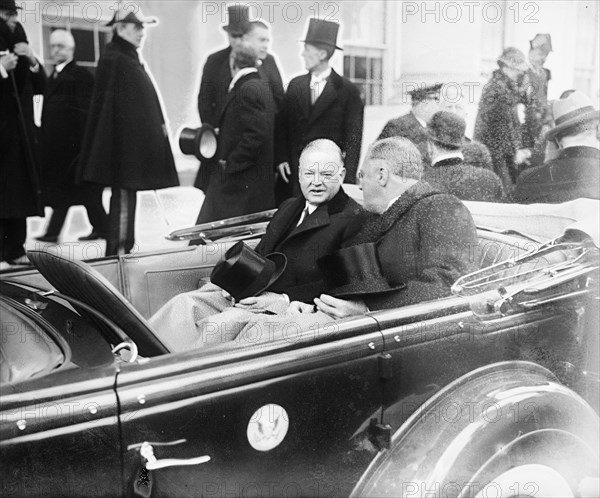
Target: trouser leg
(57,220)
(96,214)
(121,220)
(13,232)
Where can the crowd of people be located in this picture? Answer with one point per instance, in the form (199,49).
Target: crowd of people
(110,131)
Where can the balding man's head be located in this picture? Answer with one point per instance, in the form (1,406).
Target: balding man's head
(62,46)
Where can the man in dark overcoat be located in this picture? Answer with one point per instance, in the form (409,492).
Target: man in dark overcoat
(305,228)
(66,104)
(425,102)
(19,181)
(319,104)
(216,77)
(126,144)
(575,172)
(242,182)
(448,169)
(426,238)
(497,125)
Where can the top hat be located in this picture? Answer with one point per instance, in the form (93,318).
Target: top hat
(447,128)
(131,13)
(426,92)
(577,108)
(322,32)
(9,5)
(354,271)
(514,58)
(245,273)
(201,142)
(542,41)
(239,19)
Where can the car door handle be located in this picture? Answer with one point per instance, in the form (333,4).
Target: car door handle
(152,463)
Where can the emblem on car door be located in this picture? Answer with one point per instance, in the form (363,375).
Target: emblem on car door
(267,427)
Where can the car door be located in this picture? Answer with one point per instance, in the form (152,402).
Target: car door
(58,408)
(278,419)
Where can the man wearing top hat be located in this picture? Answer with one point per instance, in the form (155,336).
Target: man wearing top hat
(425,102)
(21,77)
(448,169)
(304,229)
(318,104)
(126,143)
(242,180)
(497,125)
(538,115)
(575,172)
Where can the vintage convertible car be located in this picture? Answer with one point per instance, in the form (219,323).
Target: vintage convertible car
(492,391)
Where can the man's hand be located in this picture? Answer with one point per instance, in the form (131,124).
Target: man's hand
(262,301)
(522,156)
(285,172)
(23,49)
(340,308)
(9,61)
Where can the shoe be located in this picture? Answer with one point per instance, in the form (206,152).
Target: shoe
(20,261)
(52,239)
(91,236)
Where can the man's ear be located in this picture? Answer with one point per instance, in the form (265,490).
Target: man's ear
(342,174)
(383,175)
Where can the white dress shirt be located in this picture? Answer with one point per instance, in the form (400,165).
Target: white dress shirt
(318,83)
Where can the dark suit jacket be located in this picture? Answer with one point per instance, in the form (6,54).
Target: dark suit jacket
(214,86)
(17,192)
(245,185)
(408,126)
(465,181)
(322,233)
(425,240)
(66,104)
(573,174)
(336,115)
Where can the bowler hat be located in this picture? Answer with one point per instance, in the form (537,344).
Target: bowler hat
(322,33)
(542,41)
(129,12)
(447,128)
(354,271)
(425,92)
(514,58)
(577,108)
(201,142)
(239,19)
(245,273)
(9,5)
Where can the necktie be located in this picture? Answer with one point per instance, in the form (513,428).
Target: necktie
(303,216)
(314,91)
(54,74)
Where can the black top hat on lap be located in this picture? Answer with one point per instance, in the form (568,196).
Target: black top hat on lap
(201,142)
(354,271)
(239,19)
(322,33)
(447,128)
(245,273)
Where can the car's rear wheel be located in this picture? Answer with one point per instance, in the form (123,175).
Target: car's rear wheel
(508,429)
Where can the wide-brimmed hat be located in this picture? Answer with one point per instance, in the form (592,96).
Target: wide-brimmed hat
(447,128)
(131,13)
(322,33)
(245,273)
(514,58)
(354,271)
(201,142)
(425,92)
(238,19)
(9,5)
(542,41)
(577,108)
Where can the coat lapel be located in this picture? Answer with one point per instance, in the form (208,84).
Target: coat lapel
(327,98)
(231,94)
(304,98)
(55,83)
